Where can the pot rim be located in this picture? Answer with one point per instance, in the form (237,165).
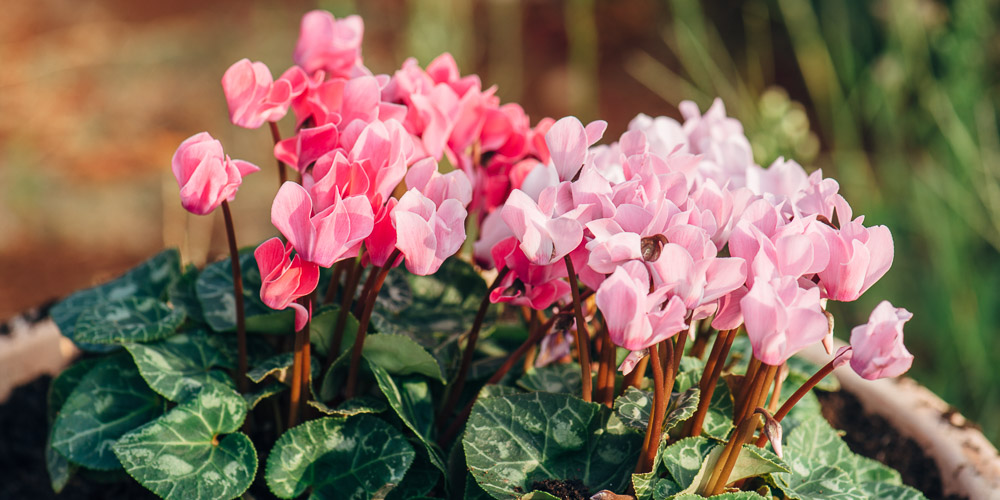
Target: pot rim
(969,463)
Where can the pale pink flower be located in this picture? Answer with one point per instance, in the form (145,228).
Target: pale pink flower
(426,234)
(284,281)
(328,44)
(859,256)
(634,316)
(333,234)
(425,177)
(205,174)
(546,233)
(781,318)
(567,143)
(253,96)
(878,345)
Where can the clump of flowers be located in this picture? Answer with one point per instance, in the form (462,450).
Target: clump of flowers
(367,360)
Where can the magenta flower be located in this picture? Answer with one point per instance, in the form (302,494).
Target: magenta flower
(304,148)
(380,244)
(878,345)
(284,281)
(426,234)
(333,234)
(527,284)
(781,318)
(205,174)
(253,96)
(859,256)
(328,44)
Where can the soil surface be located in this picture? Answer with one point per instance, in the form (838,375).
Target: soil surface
(872,436)
(572,489)
(23,436)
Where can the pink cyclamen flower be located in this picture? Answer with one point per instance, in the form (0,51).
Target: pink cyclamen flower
(334,234)
(634,317)
(328,44)
(205,174)
(284,281)
(859,256)
(545,237)
(253,96)
(878,345)
(567,142)
(426,234)
(781,318)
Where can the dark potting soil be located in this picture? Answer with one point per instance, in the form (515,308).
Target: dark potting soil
(572,489)
(23,430)
(872,436)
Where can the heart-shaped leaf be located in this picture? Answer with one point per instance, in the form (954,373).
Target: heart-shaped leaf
(271,366)
(149,279)
(813,480)
(215,292)
(253,398)
(410,398)
(685,404)
(184,296)
(111,400)
(554,377)
(338,458)
(180,366)
(59,469)
(351,407)
(134,319)
(400,355)
(633,406)
(193,452)
(512,441)
(886,491)
(322,326)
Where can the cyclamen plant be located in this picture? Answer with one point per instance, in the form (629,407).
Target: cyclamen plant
(367,361)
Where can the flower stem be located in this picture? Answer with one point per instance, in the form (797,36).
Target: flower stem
(799,394)
(338,270)
(709,379)
(359,341)
(350,287)
(606,372)
(582,336)
(454,389)
(535,335)
(757,395)
(241,329)
(650,444)
(299,362)
(276,136)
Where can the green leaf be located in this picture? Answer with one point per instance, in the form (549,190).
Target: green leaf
(63,385)
(182,455)
(634,406)
(443,304)
(183,295)
(351,407)
(512,441)
(214,288)
(59,469)
(868,470)
(322,326)
(684,459)
(338,458)
(410,398)
(719,418)
(135,319)
(815,442)
(253,398)
(651,486)
(539,495)
(271,366)
(735,495)
(557,378)
(110,401)
(685,405)
(148,279)
(814,480)
(180,366)
(419,480)
(400,355)
(886,491)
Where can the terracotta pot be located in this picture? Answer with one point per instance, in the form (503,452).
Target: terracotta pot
(968,462)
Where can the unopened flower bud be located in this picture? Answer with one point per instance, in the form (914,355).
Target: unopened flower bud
(651,247)
(772,429)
